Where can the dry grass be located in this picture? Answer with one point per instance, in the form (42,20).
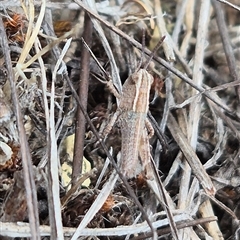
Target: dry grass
(51,122)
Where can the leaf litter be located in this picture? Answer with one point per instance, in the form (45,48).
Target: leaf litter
(194,102)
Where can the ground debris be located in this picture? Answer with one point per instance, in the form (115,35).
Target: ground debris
(46,50)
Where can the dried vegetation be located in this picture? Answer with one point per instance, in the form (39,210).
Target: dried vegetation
(54,100)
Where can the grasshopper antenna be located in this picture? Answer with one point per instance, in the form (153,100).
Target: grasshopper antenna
(154,52)
(143,44)
(143,47)
(95,59)
(108,82)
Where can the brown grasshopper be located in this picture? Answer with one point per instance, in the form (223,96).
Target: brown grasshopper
(135,127)
(132,116)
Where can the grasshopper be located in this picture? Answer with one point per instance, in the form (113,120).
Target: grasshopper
(132,117)
(136,130)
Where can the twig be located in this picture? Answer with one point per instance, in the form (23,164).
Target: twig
(180,225)
(189,24)
(179,20)
(158,132)
(229,4)
(191,156)
(21,229)
(25,151)
(83,95)
(5,4)
(167,44)
(195,105)
(53,163)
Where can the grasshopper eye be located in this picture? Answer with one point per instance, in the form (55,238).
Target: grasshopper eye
(137,76)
